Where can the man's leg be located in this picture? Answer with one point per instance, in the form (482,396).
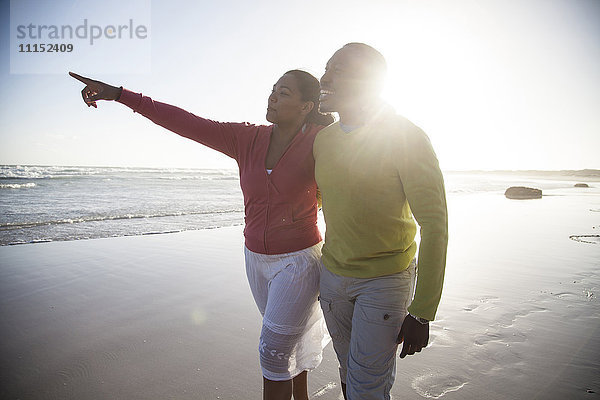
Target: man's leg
(338,310)
(380,308)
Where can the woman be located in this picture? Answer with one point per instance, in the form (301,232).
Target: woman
(282,241)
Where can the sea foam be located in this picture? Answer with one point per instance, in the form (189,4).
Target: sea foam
(17,185)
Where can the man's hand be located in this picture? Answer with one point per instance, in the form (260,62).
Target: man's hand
(96,90)
(415,336)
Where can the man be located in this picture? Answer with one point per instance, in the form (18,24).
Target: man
(376,170)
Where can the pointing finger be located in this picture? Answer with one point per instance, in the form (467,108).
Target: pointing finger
(83,79)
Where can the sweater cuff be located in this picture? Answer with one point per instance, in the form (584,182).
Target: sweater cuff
(130,99)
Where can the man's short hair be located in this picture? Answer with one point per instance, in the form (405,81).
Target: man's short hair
(374,66)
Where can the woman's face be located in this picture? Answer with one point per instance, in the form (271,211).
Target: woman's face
(285,105)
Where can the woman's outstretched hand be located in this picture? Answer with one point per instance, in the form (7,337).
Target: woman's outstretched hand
(96,90)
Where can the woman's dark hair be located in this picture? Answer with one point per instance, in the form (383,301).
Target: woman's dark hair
(310,91)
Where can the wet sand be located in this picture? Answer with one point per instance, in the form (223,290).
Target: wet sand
(171,316)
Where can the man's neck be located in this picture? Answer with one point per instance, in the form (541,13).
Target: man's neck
(352,119)
(358,115)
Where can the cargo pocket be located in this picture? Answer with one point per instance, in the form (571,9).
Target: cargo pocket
(381,316)
(375,333)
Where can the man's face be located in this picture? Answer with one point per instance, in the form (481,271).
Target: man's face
(343,87)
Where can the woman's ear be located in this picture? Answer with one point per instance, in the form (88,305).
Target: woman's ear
(307,107)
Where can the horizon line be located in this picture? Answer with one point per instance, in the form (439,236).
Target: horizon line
(234,168)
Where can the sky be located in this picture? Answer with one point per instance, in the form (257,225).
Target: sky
(496,84)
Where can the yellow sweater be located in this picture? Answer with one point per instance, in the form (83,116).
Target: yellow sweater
(373,180)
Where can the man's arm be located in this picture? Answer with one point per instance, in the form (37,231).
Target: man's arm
(424,189)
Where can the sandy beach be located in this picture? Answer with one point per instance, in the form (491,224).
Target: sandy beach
(171,316)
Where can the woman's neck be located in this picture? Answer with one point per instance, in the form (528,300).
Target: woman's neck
(286,132)
(281,138)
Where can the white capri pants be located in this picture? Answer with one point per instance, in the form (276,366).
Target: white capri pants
(286,288)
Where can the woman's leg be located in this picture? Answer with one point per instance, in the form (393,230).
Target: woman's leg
(300,386)
(283,326)
(283,390)
(277,390)
(284,289)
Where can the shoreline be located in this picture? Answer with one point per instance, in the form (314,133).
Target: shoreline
(120,236)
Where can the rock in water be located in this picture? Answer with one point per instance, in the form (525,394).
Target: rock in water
(522,192)
(581,185)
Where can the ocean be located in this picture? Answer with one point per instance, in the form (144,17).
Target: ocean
(41,204)
(56,203)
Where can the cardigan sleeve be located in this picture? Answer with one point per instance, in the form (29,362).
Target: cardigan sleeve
(221,136)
